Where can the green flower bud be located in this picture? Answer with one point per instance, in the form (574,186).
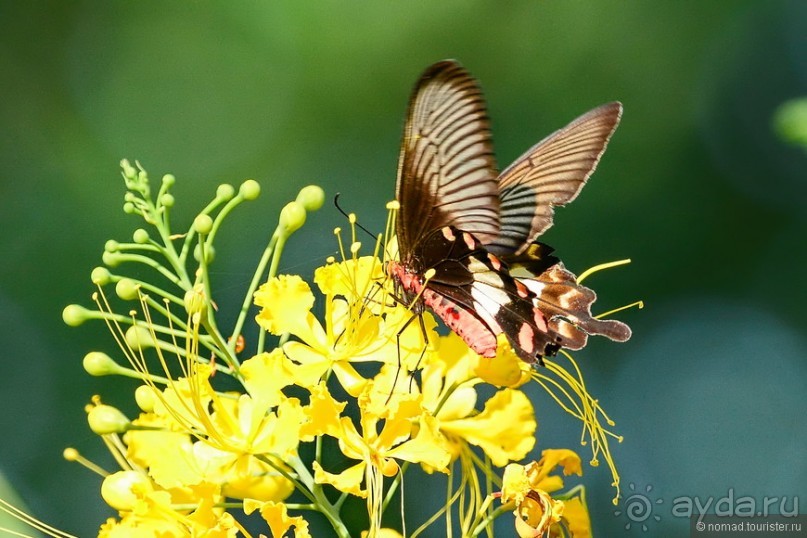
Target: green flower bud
(129,208)
(140,236)
(127,289)
(74,315)
(225,191)
(145,398)
(98,364)
(250,189)
(139,338)
(129,171)
(105,419)
(203,224)
(169,180)
(120,489)
(111,246)
(292,216)
(111,259)
(210,251)
(790,121)
(312,197)
(167,200)
(100,276)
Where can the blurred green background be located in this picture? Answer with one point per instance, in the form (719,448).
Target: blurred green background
(695,188)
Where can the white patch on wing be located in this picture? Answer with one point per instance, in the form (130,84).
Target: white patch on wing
(487,302)
(533,285)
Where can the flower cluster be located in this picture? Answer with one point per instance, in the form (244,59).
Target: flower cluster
(336,398)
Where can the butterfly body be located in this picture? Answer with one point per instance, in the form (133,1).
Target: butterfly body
(467,235)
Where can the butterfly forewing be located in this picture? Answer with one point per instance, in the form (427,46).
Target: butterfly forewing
(550,174)
(446,170)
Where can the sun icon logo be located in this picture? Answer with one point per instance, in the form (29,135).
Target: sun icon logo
(638,508)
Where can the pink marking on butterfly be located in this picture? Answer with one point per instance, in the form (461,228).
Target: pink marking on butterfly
(470,328)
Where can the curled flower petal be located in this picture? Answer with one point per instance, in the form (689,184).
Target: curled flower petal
(277,516)
(348,481)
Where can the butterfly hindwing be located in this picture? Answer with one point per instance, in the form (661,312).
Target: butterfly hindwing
(550,174)
(468,282)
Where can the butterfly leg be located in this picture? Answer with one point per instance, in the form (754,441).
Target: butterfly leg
(422,351)
(398,350)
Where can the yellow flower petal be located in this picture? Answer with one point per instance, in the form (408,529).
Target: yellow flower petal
(505,429)
(429,447)
(265,375)
(538,472)
(506,369)
(348,481)
(576,519)
(276,515)
(351,279)
(323,415)
(167,454)
(285,301)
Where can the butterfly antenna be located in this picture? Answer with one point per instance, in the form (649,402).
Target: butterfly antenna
(342,211)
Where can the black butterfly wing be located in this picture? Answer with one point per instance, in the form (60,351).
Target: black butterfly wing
(550,174)
(473,292)
(538,308)
(446,170)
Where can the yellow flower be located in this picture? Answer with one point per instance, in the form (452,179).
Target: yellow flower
(529,488)
(406,432)
(153,514)
(504,429)
(354,330)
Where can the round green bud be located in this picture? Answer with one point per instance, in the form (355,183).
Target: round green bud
(120,490)
(138,337)
(203,224)
(250,189)
(111,246)
(225,191)
(145,398)
(140,236)
(167,200)
(210,252)
(105,419)
(100,276)
(169,180)
(110,259)
(98,364)
(292,216)
(129,208)
(74,315)
(127,289)
(312,197)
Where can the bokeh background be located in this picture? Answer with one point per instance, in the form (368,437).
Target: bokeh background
(695,187)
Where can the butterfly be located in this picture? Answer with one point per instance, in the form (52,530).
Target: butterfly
(467,235)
